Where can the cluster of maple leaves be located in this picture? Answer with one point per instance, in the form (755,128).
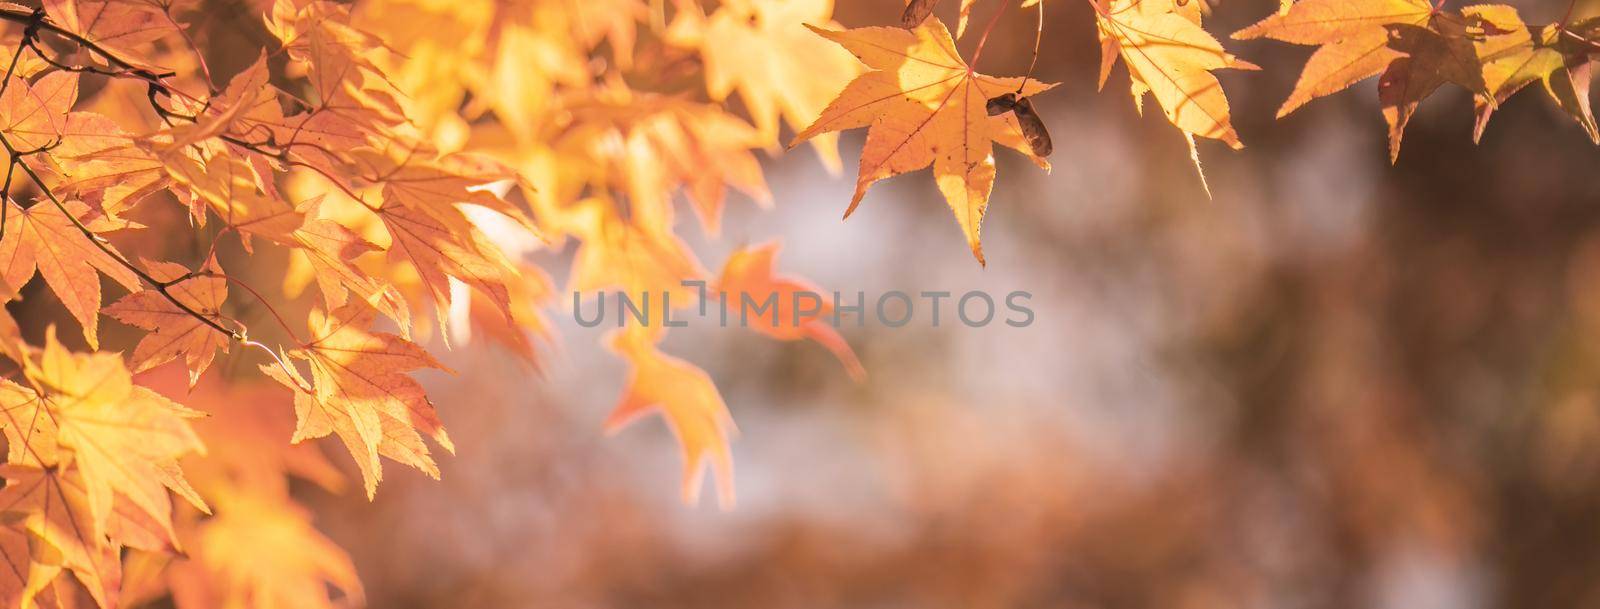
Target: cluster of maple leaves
(404,155)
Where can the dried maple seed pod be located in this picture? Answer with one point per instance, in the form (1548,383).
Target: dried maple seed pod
(1002,104)
(1033,128)
(917,12)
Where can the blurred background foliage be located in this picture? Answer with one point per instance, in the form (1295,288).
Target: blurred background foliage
(1337,384)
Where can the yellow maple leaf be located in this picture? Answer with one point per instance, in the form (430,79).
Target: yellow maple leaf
(760,49)
(260,551)
(1513,56)
(1171,58)
(124,438)
(53,509)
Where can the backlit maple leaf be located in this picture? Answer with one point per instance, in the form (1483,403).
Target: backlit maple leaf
(43,238)
(359,391)
(922,106)
(53,509)
(174,332)
(32,116)
(260,551)
(1415,45)
(1513,56)
(121,25)
(124,438)
(760,49)
(1171,58)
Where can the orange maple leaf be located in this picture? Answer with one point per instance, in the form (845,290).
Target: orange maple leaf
(330,249)
(54,511)
(923,105)
(359,391)
(752,272)
(689,402)
(33,116)
(173,331)
(43,238)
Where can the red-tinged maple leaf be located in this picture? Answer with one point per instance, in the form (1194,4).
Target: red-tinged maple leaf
(360,391)
(687,399)
(43,238)
(1513,56)
(1416,46)
(174,332)
(923,106)
(751,272)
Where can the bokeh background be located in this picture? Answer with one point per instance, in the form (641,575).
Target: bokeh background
(1337,383)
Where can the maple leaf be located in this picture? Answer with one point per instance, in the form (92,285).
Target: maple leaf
(1414,45)
(359,391)
(261,551)
(318,35)
(689,402)
(759,49)
(1171,58)
(698,147)
(33,116)
(15,568)
(52,506)
(752,272)
(102,164)
(439,187)
(922,106)
(354,101)
(123,438)
(43,238)
(118,25)
(623,255)
(173,331)
(439,254)
(1513,57)
(330,249)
